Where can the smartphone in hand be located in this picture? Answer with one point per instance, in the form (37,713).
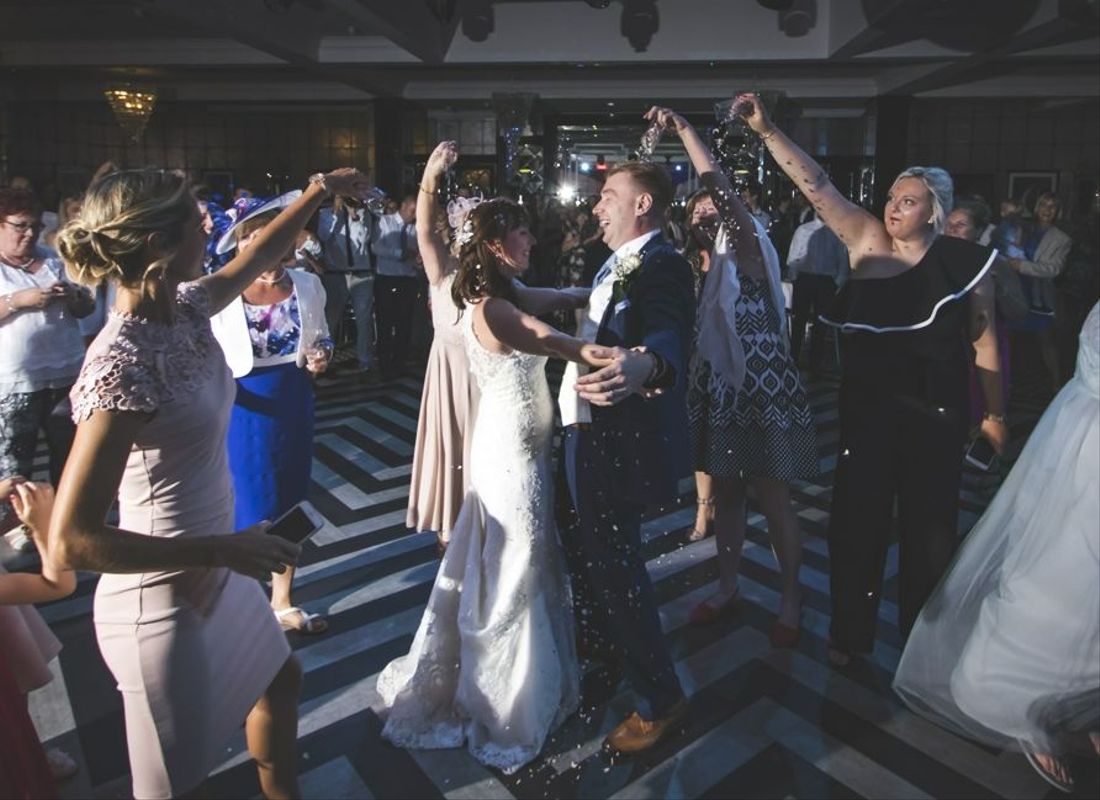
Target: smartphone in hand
(981,454)
(298,524)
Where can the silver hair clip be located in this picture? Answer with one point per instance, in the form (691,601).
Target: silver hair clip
(465,234)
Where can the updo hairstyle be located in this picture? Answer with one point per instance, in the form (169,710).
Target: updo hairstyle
(479,269)
(108,241)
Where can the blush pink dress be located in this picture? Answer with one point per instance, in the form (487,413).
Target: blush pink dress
(448,408)
(191,651)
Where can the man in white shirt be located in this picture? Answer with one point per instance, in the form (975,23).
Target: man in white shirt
(818,264)
(345,231)
(396,287)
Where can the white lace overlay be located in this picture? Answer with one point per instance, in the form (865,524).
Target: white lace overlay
(493,664)
(148,363)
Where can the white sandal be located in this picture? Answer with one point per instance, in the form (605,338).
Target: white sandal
(1032,757)
(311,624)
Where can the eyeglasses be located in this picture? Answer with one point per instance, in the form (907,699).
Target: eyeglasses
(22,227)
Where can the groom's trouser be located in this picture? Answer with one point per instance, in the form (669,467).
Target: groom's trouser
(604,553)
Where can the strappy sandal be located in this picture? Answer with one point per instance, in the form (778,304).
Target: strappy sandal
(1033,757)
(697,535)
(309,624)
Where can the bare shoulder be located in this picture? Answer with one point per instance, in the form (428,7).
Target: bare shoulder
(874,248)
(493,318)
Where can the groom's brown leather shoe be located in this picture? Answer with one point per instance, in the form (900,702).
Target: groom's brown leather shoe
(635,734)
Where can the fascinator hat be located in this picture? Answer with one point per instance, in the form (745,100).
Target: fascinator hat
(246,208)
(458,217)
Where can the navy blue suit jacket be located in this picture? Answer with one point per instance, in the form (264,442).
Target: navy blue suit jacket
(648,439)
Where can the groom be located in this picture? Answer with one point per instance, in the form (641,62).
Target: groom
(625,443)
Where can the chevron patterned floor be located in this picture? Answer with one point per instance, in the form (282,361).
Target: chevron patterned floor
(764,723)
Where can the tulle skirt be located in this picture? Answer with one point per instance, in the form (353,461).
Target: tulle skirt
(1008,647)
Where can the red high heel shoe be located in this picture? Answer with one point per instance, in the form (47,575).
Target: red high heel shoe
(784,636)
(705,613)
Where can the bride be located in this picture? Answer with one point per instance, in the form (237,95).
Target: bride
(1007,650)
(493,664)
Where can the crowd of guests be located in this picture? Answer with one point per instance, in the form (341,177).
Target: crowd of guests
(166,350)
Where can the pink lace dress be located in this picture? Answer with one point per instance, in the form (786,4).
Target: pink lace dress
(191,651)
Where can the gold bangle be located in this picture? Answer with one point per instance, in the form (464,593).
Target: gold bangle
(426,191)
(767,134)
(998,418)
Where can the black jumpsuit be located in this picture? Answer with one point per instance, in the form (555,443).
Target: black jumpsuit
(904,412)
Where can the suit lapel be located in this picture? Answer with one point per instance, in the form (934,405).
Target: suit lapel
(647,248)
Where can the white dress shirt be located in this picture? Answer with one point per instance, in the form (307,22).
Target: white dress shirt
(387,247)
(335,234)
(573,408)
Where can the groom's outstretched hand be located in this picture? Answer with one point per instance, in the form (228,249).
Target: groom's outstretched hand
(624,376)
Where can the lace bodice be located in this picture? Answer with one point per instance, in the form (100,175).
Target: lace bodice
(137,365)
(509,373)
(515,399)
(1088,353)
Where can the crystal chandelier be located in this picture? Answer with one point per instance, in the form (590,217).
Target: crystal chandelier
(132,108)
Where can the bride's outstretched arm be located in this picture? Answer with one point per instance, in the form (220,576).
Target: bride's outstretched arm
(537,300)
(507,326)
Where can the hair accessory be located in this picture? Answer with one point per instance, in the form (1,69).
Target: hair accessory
(466,233)
(458,217)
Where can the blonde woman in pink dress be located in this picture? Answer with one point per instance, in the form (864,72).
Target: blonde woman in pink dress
(180,616)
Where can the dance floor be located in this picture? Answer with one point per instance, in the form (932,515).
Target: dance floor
(763,723)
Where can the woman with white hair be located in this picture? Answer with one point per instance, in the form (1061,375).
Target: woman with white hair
(904,396)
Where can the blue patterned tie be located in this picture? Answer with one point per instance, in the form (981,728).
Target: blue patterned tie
(605,270)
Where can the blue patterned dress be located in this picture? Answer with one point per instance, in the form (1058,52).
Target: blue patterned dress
(271,430)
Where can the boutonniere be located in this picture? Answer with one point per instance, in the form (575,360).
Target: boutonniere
(624,270)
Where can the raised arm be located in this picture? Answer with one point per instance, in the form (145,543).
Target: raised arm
(851,222)
(505,327)
(438,261)
(276,239)
(739,223)
(81,539)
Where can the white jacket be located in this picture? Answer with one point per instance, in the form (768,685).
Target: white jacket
(231,328)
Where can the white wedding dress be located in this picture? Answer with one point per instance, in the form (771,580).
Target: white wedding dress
(493,664)
(1008,646)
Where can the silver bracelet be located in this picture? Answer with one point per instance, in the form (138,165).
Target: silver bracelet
(10,306)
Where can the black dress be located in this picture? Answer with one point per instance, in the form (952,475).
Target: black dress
(904,403)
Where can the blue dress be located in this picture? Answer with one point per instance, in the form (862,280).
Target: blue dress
(271,428)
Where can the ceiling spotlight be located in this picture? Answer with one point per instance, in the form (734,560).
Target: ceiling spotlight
(639,22)
(799,19)
(477,19)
